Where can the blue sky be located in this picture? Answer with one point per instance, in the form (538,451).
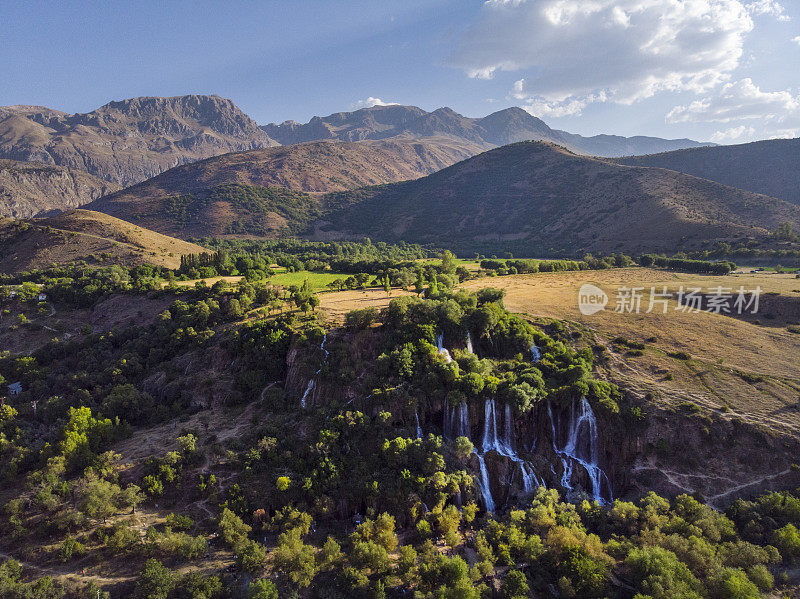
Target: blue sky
(726,70)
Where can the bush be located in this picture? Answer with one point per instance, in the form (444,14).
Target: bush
(262,589)
(155,581)
(361,319)
(70,548)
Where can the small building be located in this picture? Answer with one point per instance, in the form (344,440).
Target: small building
(42,297)
(14,389)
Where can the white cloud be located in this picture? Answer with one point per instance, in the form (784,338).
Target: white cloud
(740,100)
(796,40)
(574,52)
(741,133)
(768,7)
(370,102)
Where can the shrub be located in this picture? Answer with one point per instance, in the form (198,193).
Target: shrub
(262,589)
(70,548)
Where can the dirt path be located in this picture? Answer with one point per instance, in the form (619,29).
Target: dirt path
(61,574)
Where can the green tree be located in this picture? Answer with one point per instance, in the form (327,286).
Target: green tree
(295,559)
(155,581)
(262,589)
(232,529)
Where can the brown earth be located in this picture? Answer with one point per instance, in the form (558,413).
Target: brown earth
(85,235)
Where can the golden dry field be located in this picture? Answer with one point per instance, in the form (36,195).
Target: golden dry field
(729,355)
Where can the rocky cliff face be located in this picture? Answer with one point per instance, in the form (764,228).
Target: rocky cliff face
(567,445)
(30,188)
(131,140)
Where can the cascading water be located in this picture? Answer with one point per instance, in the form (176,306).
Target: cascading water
(419,428)
(312,384)
(536,353)
(490,441)
(483,485)
(581,447)
(508,435)
(456,421)
(469,344)
(442,349)
(505,445)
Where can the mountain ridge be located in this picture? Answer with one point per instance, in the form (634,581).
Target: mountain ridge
(542,200)
(770,167)
(130,140)
(84,235)
(509,125)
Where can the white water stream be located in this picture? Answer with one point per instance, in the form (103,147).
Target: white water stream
(312,384)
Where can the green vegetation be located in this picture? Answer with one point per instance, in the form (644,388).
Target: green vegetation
(687,265)
(343,498)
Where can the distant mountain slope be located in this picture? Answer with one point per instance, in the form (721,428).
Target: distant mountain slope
(28,188)
(163,204)
(131,140)
(84,235)
(540,199)
(616,145)
(499,128)
(770,167)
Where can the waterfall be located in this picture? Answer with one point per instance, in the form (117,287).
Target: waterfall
(505,445)
(490,428)
(529,479)
(419,428)
(483,485)
(309,389)
(312,384)
(508,434)
(469,344)
(536,353)
(582,447)
(456,421)
(442,349)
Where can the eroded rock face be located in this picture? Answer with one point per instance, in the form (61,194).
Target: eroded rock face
(583,454)
(131,140)
(31,188)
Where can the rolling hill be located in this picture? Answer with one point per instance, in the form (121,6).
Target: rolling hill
(84,235)
(131,140)
(538,199)
(497,129)
(208,197)
(771,167)
(29,188)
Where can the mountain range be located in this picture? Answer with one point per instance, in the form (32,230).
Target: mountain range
(542,199)
(497,129)
(212,196)
(535,197)
(129,141)
(197,166)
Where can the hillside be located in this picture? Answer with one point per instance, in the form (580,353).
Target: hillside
(537,199)
(84,235)
(131,140)
(499,128)
(163,203)
(771,167)
(29,188)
